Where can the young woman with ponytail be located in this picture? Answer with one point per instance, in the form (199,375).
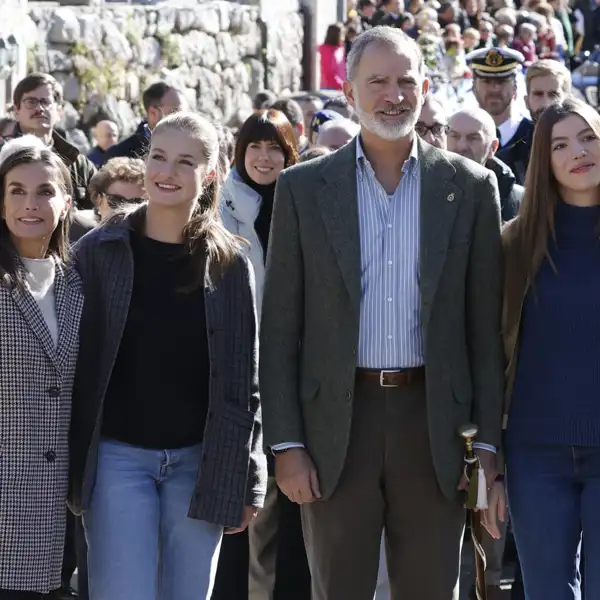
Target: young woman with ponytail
(166,448)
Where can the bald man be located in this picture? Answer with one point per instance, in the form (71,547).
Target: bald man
(337,133)
(472,134)
(106,134)
(432,125)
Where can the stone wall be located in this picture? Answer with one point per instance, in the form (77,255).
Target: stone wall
(13,40)
(218,53)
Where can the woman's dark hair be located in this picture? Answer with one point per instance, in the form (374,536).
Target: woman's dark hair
(334,35)
(205,235)
(535,223)
(266,125)
(58,247)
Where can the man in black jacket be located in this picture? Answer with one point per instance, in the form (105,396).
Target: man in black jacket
(37,103)
(159,100)
(472,134)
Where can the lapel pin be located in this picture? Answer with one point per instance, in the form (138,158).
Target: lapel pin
(450,198)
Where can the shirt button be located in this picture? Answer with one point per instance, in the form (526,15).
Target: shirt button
(389,337)
(389,299)
(50,456)
(389,225)
(390,262)
(53,392)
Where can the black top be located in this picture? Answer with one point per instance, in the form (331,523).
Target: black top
(157,396)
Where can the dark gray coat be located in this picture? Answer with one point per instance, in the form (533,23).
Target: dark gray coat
(311,308)
(232,473)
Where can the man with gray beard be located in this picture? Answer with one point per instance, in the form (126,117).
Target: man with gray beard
(380,336)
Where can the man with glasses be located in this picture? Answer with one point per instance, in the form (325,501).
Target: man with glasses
(432,125)
(159,100)
(472,134)
(37,103)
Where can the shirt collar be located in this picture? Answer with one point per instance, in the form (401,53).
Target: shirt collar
(409,167)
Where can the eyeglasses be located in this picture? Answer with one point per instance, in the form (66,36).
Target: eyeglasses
(437,129)
(116,200)
(33,103)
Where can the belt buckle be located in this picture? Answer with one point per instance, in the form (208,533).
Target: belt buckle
(382,373)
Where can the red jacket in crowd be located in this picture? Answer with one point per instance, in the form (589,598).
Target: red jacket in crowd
(333,66)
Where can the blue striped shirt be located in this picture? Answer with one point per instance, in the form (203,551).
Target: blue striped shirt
(390,312)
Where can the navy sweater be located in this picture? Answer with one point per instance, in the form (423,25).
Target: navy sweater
(556,396)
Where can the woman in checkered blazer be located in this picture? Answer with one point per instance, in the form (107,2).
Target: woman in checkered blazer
(40,308)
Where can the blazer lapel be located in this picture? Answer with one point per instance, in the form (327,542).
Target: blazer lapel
(440,198)
(338,203)
(33,317)
(69,306)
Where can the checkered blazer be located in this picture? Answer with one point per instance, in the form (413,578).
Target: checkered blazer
(232,472)
(36,382)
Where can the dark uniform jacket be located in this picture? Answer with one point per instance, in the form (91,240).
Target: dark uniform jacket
(511,194)
(515,155)
(135,146)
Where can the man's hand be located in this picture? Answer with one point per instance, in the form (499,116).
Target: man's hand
(249,514)
(488,463)
(496,511)
(296,476)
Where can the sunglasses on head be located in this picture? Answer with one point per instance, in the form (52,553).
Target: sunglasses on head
(116,200)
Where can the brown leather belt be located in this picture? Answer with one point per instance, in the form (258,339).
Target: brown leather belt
(391,378)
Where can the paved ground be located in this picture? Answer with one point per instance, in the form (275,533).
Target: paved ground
(467,576)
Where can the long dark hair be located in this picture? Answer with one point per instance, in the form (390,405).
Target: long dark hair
(334,35)
(266,125)
(58,247)
(205,236)
(535,223)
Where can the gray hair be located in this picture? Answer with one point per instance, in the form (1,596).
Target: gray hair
(434,103)
(386,36)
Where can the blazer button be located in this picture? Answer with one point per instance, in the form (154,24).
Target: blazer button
(50,456)
(211,331)
(348,395)
(53,392)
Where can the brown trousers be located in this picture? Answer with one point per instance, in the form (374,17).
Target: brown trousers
(388,481)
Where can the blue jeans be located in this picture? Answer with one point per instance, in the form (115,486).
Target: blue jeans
(142,545)
(554,495)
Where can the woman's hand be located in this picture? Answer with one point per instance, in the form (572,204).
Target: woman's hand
(496,510)
(249,513)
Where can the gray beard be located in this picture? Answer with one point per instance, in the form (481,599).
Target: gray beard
(390,132)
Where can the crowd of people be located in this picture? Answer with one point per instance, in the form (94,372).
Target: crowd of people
(409,251)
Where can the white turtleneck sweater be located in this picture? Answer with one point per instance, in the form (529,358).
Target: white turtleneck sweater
(40,275)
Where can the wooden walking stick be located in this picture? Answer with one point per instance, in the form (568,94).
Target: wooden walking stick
(476,501)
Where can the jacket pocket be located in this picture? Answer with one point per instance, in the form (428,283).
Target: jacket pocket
(237,415)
